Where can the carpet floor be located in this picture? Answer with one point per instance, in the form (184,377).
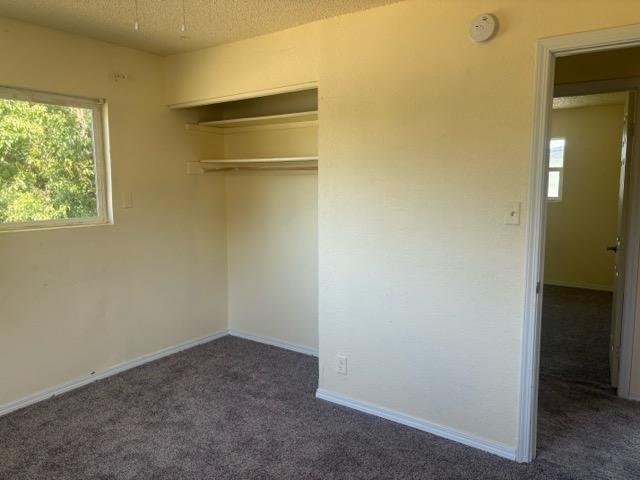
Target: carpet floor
(235,409)
(575,334)
(582,424)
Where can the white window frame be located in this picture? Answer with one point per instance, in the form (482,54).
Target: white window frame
(560,170)
(98,106)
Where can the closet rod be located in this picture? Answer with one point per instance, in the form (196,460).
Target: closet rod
(261,169)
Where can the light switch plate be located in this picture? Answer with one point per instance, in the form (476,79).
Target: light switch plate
(512,213)
(341,364)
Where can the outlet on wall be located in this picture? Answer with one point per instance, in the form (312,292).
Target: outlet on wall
(341,364)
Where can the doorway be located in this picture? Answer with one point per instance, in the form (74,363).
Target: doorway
(585,228)
(589,158)
(619,376)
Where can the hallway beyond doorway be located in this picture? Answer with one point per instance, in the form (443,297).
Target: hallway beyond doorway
(575,334)
(581,421)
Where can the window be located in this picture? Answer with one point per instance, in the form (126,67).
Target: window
(556,165)
(52,161)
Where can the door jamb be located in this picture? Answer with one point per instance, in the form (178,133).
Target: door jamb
(547,51)
(630,306)
(597,86)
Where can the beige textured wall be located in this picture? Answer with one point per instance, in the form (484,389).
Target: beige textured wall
(78,300)
(272,232)
(424,137)
(272,239)
(276,142)
(287,58)
(584,222)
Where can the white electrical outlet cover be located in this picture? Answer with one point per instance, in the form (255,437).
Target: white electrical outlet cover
(483,27)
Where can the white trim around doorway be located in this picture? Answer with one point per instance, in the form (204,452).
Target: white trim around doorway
(548,50)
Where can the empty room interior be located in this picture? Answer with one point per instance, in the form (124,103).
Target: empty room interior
(369,239)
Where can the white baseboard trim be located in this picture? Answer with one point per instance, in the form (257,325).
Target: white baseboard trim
(274,342)
(445,432)
(586,286)
(121,367)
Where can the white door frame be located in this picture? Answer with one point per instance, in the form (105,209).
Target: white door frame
(548,50)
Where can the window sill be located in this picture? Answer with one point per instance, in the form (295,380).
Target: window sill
(54,224)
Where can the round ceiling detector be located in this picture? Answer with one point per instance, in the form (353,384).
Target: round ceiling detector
(483,27)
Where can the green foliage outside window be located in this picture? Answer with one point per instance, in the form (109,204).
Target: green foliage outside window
(47,167)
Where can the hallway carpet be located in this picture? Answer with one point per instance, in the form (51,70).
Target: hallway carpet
(581,421)
(235,409)
(575,334)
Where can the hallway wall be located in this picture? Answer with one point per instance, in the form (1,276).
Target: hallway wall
(584,221)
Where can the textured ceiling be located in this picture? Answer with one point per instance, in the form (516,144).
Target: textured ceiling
(589,100)
(208,22)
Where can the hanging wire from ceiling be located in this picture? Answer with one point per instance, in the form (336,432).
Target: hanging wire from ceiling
(136,24)
(183,27)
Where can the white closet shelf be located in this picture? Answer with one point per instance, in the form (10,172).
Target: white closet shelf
(263,120)
(254,164)
(261,160)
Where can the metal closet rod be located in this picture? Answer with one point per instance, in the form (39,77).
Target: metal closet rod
(264,169)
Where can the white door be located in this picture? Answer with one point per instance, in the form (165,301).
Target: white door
(619,247)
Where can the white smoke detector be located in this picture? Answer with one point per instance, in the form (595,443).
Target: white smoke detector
(483,27)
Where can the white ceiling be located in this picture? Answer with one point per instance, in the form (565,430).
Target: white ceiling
(579,101)
(209,22)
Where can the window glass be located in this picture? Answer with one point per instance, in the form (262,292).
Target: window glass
(554,184)
(556,153)
(48,162)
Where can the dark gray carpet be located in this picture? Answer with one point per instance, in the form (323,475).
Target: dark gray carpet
(234,409)
(582,425)
(575,334)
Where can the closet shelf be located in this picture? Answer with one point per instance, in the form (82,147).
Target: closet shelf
(261,160)
(263,120)
(254,164)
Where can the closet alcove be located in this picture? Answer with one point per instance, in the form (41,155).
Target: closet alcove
(264,150)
